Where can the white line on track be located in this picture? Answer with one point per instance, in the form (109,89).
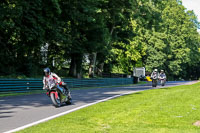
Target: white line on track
(69,111)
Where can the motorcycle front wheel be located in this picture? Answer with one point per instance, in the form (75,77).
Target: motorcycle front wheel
(56,101)
(154,83)
(162,82)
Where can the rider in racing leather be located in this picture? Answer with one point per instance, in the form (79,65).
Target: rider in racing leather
(162,75)
(155,74)
(48,75)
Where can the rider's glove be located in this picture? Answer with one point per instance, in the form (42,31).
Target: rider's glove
(44,87)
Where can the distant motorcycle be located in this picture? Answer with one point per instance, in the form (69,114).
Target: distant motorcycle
(55,92)
(162,80)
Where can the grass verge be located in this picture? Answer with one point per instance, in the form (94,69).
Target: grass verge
(19,94)
(166,110)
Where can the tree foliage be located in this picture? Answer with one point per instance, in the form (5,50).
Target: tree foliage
(80,36)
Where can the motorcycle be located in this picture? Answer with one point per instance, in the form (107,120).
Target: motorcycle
(162,80)
(55,92)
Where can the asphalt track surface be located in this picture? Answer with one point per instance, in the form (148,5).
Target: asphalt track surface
(18,111)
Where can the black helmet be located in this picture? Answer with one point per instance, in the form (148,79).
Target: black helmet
(47,71)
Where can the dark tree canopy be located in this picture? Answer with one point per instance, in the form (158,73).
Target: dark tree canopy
(78,38)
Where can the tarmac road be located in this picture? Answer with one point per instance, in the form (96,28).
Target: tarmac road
(18,111)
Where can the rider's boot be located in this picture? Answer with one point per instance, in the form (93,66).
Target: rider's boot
(67,91)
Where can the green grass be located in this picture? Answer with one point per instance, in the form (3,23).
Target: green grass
(168,110)
(24,93)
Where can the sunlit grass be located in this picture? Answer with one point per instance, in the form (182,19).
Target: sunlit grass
(167,110)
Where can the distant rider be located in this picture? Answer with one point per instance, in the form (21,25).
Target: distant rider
(155,74)
(162,75)
(48,74)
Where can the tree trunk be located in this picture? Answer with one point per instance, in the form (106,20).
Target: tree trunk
(92,64)
(100,69)
(79,65)
(76,65)
(72,70)
(90,70)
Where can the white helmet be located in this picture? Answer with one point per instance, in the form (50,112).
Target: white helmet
(155,70)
